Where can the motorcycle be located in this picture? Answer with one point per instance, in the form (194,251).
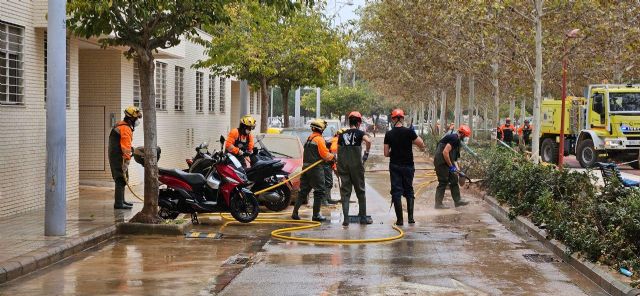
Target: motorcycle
(265,171)
(224,187)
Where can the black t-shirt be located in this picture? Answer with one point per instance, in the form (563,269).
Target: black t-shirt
(452,139)
(400,141)
(351,137)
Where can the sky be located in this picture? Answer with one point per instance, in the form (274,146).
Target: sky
(343,11)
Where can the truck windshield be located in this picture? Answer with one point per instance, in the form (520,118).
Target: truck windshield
(624,102)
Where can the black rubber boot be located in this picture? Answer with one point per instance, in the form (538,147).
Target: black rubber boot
(397,205)
(127,203)
(119,198)
(317,202)
(410,210)
(296,207)
(345,212)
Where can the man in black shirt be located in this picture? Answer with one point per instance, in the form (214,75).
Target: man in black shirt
(351,166)
(447,154)
(398,145)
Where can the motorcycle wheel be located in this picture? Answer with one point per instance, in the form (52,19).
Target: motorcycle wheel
(282,203)
(166,213)
(244,207)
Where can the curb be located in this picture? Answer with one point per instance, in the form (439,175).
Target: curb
(127,228)
(45,256)
(593,272)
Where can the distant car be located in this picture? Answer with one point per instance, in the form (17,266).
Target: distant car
(288,149)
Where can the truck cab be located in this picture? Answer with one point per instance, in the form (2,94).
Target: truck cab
(605,124)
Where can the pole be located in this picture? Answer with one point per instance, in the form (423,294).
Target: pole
(271,105)
(55,215)
(317,102)
(297,107)
(562,110)
(244,98)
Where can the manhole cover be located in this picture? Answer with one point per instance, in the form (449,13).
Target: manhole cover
(238,259)
(540,258)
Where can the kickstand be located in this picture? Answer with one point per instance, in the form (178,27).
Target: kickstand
(194,219)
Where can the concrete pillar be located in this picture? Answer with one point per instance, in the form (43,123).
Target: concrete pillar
(55,215)
(297,107)
(317,102)
(244,98)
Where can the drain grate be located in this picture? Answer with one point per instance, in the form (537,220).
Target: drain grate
(540,258)
(238,259)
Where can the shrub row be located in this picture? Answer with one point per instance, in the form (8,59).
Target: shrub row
(601,223)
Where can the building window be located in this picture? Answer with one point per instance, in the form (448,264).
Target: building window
(68,71)
(223,94)
(258,101)
(161,86)
(252,98)
(179,81)
(199,92)
(11,82)
(136,82)
(212,93)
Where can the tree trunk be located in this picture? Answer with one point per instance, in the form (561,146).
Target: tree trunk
(523,112)
(496,92)
(472,100)
(486,119)
(512,109)
(537,92)
(264,105)
(285,103)
(458,108)
(149,212)
(443,111)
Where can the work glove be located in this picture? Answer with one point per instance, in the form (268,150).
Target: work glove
(453,169)
(365,156)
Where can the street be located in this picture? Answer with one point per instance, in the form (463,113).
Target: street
(462,251)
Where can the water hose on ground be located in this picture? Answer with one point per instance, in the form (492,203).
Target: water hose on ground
(307,224)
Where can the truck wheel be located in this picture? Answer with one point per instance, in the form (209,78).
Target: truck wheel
(587,155)
(549,151)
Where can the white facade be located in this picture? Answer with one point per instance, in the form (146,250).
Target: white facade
(101,85)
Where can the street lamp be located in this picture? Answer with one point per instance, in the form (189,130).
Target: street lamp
(571,34)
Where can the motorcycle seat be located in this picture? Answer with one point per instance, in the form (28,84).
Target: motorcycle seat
(196,180)
(263,163)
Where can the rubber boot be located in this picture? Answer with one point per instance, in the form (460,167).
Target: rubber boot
(296,207)
(410,210)
(397,205)
(455,194)
(119,198)
(317,202)
(345,212)
(440,197)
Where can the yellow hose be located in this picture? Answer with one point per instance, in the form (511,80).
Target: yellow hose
(307,224)
(290,178)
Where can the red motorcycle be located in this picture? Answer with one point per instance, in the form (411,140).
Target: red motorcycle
(224,188)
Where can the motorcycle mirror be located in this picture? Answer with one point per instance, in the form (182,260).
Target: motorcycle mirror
(221,139)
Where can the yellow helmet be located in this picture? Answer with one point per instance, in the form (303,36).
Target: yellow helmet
(341,131)
(319,124)
(248,120)
(133,111)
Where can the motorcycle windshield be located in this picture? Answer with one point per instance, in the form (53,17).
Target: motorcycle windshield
(235,162)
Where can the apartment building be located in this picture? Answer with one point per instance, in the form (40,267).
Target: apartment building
(193,106)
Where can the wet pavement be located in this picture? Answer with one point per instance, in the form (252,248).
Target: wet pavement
(462,251)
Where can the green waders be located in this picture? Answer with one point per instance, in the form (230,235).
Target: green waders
(445,177)
(328,182)
(312,179)
(351,172)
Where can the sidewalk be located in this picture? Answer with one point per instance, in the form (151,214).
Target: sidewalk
(90,219)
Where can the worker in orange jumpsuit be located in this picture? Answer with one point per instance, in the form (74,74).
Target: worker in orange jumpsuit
(120,153)
(240,140)
(315,149)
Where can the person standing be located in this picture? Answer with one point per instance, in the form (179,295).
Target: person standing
(525,132)
(328,177)
(398,147)
(447,154)
(315,149)
(351,167)
(120,153)
(240,140)
(507,130)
